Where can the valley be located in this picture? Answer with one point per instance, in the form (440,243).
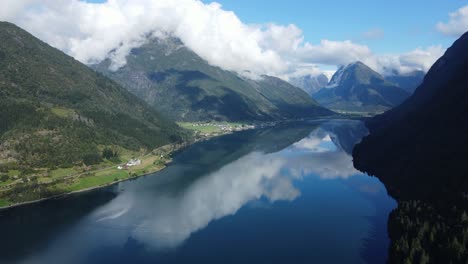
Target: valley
(200,131)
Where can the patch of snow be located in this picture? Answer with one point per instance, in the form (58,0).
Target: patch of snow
(336,79)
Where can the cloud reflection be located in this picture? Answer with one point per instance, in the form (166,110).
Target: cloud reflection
(222,193)
(164,220)
(218,195)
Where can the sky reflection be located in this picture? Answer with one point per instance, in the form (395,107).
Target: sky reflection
(163,221)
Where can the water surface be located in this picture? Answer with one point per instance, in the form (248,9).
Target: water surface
(287,194)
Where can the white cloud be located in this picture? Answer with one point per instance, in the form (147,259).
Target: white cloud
(93,32)
(417,59)
(10,9)
(333,52)
(457,24)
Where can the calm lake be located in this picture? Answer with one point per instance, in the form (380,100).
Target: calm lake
(287,194)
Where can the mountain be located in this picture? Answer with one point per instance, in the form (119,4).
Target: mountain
(358,88)
(419,151)
(55,111)
(409,81)
(288,99)
(309,83)
(185,87)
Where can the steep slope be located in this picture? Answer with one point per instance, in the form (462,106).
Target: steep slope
(309,83)
(289,100)
(356,87)
(185,87)
(408,82)
(426,137)
(56,111)
(419,150)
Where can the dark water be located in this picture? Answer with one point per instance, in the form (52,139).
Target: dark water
(281,195)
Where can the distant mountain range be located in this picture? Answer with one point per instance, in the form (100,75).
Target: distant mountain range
(55,111)
(419,151)
(310,83)
(358,88)
(408,81)
(185,87)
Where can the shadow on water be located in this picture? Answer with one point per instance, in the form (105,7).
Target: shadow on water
(30,228)
(269,195)
(206,157)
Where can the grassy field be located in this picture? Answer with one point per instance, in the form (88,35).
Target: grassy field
(204,128)
(65,180)
(3,183)
(62,172)
(13,173)
(99,179)
(62,112)
(4,202)
(212,127)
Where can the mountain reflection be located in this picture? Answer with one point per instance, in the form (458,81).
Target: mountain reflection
(164,220)
(249,178)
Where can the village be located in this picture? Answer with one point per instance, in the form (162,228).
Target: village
(226,127)
(211,129)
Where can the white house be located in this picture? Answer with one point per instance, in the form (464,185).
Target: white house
(133,162)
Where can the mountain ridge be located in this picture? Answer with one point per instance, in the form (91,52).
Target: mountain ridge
(409,81)
(356,87)
(310,83)
(182,85)
(419,151)
(64,109)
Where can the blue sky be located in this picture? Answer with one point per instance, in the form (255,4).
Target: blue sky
(406,24)
(387,36)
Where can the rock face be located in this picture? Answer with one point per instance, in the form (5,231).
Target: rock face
(419,151)
(55,110)
(183,86)
(357,88)
(309,83)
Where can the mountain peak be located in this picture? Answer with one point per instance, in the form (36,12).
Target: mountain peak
(81,108)
(357,64)
(434,113)
(176,81)
(437,82)
(357,72)
(356,87)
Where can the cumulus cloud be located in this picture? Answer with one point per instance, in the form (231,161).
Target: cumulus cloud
(333,52)
(93,32)
(418,59)
(457,24)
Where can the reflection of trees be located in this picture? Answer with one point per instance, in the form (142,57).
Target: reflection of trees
(30,228)
(208,181)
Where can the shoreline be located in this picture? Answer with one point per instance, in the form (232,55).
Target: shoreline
(184,145)
(63,195)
